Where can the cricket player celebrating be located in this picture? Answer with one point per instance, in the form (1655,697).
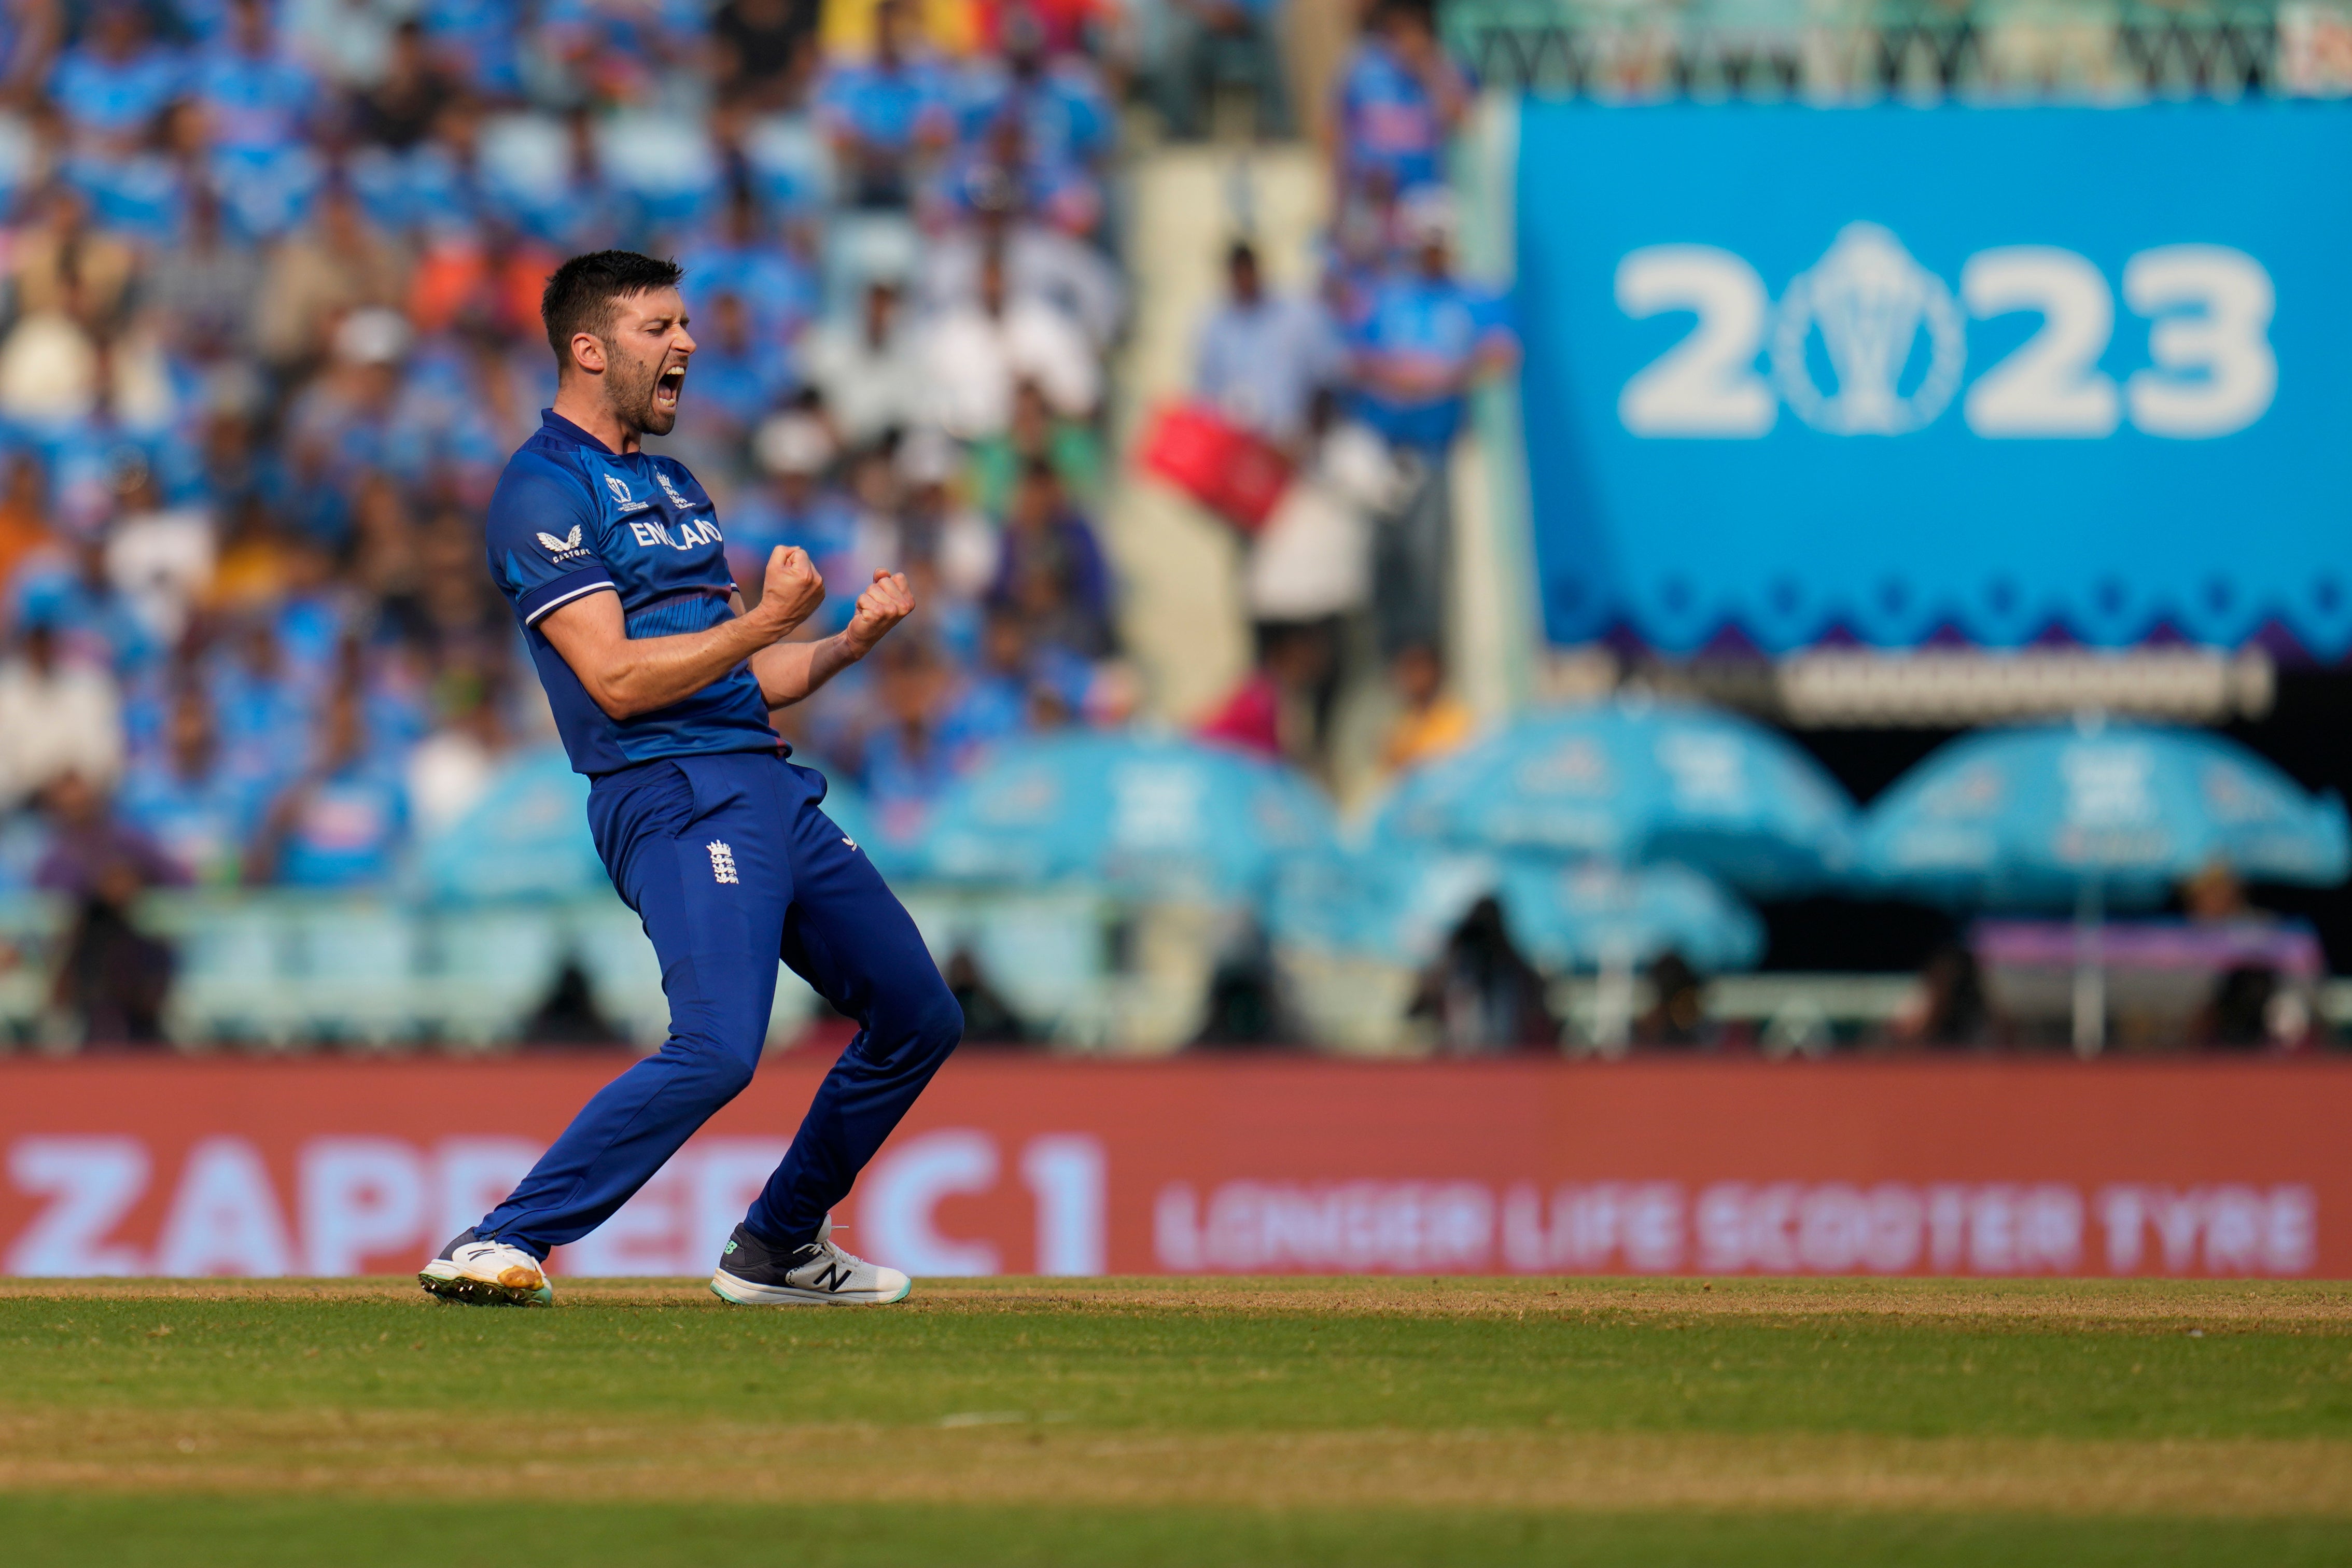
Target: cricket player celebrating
(661,681)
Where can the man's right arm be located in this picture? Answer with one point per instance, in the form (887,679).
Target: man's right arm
(627,676)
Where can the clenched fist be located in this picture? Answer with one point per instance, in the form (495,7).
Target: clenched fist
(883,605)
(791,590)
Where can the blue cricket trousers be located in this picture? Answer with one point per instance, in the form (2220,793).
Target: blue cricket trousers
(731,864)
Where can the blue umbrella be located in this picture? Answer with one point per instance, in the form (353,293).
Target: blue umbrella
(2093,813)
(1593,916)
(1402,903)
(1150,815)
(1636,782)
(1396,902)
(2033,817)
(526,837)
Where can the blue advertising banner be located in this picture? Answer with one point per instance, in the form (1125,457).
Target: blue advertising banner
(1908,375)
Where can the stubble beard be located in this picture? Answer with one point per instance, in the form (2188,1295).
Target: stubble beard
(629,393)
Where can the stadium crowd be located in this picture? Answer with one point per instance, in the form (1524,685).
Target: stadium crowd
(1363,382)
(271,331)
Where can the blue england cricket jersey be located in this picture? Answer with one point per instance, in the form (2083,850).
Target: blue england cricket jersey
(572,518)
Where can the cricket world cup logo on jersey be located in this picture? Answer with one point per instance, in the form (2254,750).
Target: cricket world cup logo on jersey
(621,493)
(1890,331)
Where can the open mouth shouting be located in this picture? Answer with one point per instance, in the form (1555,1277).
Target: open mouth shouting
(666,389)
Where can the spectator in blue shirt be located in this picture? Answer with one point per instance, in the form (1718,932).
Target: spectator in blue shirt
(93,620)
(995,702)
(575,209)
(258,98)
(188,800)
(778,288)
(113,84)
(1210,42)
(394,703)
(436,189)
(341,825)
(261,715)
(795,506)
(1006,175)
(1051,570)
(1360,251)
(437,423)
(343,419)
(1426,338)
(1015,688)
(1261,355)
(474,40)
(738,379)
(141,194)
(1399,99)
(1063,113)
(885,116)
(312,609)
(902,763)
(258,101)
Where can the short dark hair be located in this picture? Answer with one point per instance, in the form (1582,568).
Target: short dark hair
(580,294)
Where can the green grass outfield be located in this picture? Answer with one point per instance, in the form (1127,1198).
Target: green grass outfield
(1354,1423)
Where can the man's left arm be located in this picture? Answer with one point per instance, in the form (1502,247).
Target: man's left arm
(789,672)
(1496,350)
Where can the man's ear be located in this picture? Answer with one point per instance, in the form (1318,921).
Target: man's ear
(588,352)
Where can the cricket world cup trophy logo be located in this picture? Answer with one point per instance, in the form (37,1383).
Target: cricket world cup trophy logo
(1871,304)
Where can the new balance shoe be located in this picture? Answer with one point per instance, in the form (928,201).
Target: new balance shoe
(753,1274)
(487,1274)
